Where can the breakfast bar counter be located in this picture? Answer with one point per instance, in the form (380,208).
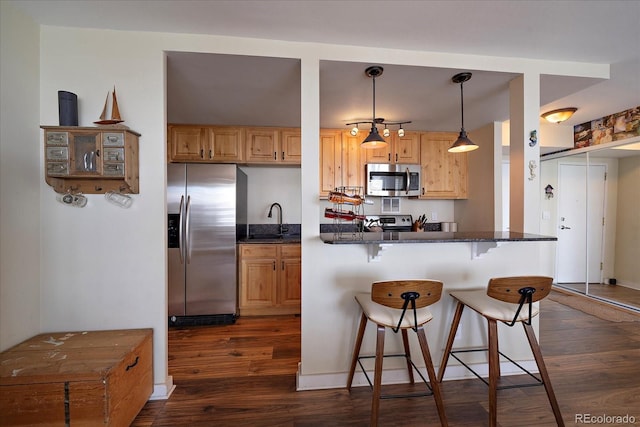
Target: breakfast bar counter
(392,237)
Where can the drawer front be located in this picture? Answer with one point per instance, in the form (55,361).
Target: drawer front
(290,251)
(57,169)
(258,251)
(57,138)
(114,154)
(57,153)
(113,169)
(113,139)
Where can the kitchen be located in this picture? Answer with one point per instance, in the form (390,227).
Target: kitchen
(189,114)
(281,183)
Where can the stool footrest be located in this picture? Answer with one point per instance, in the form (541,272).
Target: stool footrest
(395,396)
(522,368)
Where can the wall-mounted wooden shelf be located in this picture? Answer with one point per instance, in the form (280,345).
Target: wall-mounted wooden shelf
(91,160)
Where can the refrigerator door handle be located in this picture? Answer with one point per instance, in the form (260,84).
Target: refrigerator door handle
(181,231)
(188,231)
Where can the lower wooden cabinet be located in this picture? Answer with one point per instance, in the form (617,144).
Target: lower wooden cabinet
(95,378)
(269,278)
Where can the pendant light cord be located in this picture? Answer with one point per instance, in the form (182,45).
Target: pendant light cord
(461,106)
(373,120)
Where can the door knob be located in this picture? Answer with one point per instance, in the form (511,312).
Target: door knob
(563,227)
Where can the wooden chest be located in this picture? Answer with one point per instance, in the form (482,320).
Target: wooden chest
(96,378)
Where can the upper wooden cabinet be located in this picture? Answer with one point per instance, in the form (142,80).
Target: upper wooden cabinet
(91,160)
(218,144)
(273,145)
(443,174)
(234,144)
(341,161)
(404,149)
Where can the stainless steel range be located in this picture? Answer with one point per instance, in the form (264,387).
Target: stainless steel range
(388,222)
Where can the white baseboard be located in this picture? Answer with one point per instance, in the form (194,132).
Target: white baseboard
(399,376)
(630,285)
(163,391)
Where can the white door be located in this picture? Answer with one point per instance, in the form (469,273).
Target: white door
(580,223)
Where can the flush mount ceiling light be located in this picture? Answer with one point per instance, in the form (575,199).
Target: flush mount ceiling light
(374,139)
(462,144)
(559,115)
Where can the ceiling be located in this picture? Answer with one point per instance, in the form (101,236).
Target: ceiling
(242,90)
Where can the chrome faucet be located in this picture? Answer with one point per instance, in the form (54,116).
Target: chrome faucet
(282,228)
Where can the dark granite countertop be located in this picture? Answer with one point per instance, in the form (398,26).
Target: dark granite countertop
(434,237)
(270,239)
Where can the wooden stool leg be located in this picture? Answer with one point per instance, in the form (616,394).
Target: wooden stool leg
(377,376)
(494,372)
(537,354)
(452,336)
(435,385)
(407,354)
(356,350)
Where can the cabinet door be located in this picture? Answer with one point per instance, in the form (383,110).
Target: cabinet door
(258,283)
(379,155)
(407,148)
(291,146)
(330,161)
(443,174)
(353,161)
(289,282)
(187,143)
(226,144)
(85,153)
(262,145)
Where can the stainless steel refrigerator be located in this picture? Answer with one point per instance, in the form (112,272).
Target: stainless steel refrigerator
(207,213)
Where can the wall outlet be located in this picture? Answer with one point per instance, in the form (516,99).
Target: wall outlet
(434,216)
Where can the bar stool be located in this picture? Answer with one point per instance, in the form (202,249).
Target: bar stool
(503,301)
(399,305)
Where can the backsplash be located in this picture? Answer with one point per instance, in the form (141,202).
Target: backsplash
(288,229)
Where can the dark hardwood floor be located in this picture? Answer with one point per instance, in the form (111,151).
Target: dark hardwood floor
(244,375)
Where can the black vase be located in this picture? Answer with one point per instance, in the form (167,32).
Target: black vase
(67,108)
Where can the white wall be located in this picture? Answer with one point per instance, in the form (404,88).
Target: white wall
(20,167)
(627,246)
(478,212)
(267,185)
(103,268)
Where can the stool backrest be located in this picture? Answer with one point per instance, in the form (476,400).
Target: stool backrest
(390,293)
(508,289)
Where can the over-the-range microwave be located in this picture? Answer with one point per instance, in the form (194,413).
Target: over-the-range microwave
(392,180)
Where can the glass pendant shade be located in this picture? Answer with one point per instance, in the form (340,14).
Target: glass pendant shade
(374,139)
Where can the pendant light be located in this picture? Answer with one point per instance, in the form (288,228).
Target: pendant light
(374,139)
(462,144)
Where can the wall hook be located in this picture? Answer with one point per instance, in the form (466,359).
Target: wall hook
(533,138)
